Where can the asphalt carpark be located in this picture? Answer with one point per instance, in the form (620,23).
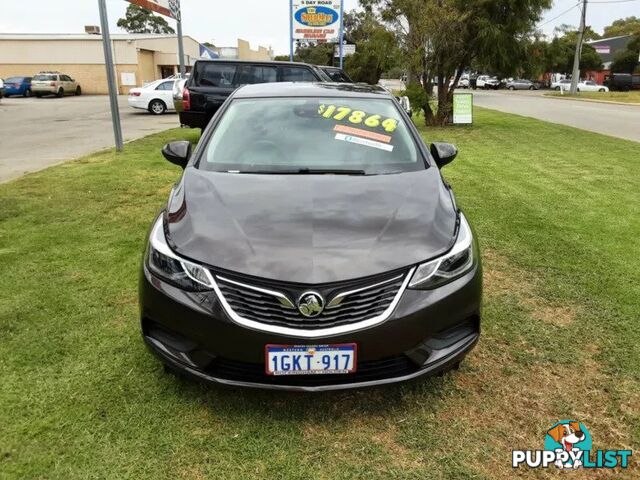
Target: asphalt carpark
(39,132)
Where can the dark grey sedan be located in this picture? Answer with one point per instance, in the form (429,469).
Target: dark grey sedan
(311,244)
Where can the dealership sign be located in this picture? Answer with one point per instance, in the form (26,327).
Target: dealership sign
(463,108)
(168,8)
(316,20)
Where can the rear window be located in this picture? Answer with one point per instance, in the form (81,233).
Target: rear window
(214,74)
(276,135)
(337,75)
(297,74)
(14,80)
(46,78)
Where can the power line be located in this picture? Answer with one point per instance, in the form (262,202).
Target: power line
(558,16)
(613,1)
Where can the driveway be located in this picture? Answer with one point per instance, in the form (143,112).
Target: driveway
(39,132)
(620,121)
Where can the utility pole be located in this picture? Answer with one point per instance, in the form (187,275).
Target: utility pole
(575,76)
(181,48)
(111,75)
(176,11)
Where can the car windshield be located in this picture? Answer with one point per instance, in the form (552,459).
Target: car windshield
(44,77)
(14,80)
(312,135)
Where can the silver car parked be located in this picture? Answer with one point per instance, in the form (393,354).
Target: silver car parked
(54,83)
(520,84)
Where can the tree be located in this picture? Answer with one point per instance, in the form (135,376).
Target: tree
(442,38)
(314,53)
(561,51)
(377,49)
(625,61)
(623,26)
(141,20)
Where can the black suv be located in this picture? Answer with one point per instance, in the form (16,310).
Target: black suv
(212,81)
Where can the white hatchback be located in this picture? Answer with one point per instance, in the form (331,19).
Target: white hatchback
(156,97)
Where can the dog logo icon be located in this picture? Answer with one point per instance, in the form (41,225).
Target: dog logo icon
(568,445)
(568,436)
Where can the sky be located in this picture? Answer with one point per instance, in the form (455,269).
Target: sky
(261,22)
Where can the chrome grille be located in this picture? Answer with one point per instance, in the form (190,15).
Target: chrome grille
(346,304)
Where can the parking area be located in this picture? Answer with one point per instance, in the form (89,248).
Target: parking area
(609,119)
(41,132)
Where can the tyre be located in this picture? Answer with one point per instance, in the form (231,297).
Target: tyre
(578,90)
(557,89)
(78,91)
(602,90)
(38,95)
(512,88)
(531,87)
(27,92)
(157,107)
(60,93)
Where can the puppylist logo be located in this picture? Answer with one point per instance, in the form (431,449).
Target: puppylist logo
(568,444)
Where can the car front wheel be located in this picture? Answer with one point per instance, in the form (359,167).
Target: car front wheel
(61,93)
(27,92)
(157,107)
(602,90)
(78,90)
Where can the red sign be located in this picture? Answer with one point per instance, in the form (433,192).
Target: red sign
(168,8)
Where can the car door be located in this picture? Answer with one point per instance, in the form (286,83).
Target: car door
(65,83)
(164,91)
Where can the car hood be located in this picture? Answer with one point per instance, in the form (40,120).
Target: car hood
(310,229)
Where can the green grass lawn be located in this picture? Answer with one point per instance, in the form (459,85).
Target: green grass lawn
(624,97)
(557,211)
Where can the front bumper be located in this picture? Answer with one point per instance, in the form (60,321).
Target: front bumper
(429,331)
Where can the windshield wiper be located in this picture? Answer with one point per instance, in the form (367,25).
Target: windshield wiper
(302,171)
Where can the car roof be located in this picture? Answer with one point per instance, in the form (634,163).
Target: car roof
(306,89)
(254,62)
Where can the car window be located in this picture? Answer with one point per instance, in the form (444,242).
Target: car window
(250,74)
(14,80)
(272,135)
(214,74)
(337,75)
(46,78)
(165,86)
(65,78)
(297,74)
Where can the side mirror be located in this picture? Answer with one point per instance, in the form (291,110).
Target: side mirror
(177,152)
(443,153)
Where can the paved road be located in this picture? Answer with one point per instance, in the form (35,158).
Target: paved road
(621,121)
(38,132)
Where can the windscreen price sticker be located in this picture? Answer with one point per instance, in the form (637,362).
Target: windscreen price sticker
(357,117)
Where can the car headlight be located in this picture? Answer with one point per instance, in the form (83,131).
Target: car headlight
(458,261)
(164,263)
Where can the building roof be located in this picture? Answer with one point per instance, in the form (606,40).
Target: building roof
(303,89)
(608,47)
(86,36)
